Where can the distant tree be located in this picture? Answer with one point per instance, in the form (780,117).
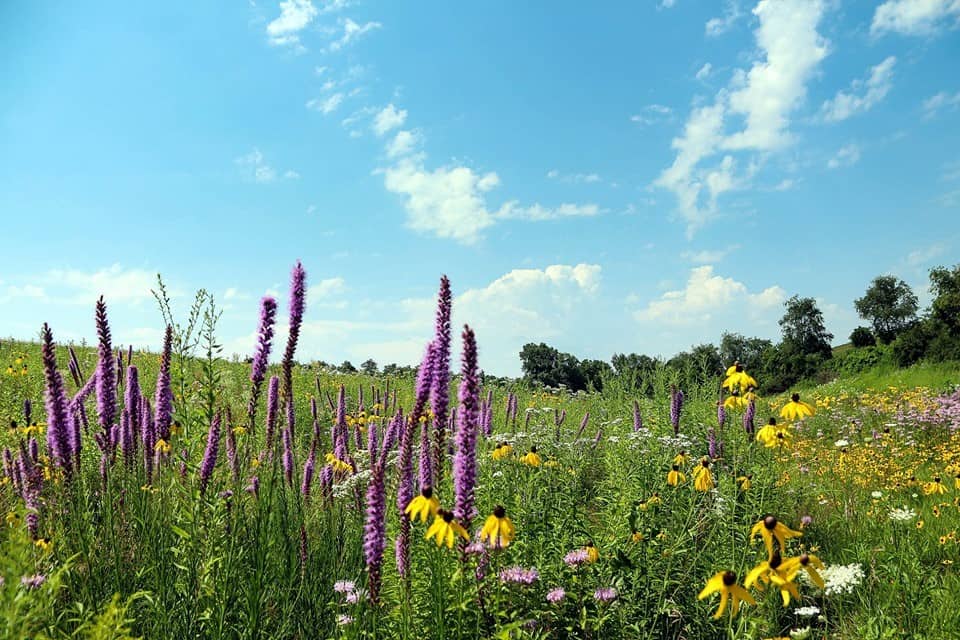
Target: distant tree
(889,305)
(735,347)
(594,371)
(803,330)
(390,369)
(544,365)
(862,337)
(945,308)
(911,346)
(347,367)
(369,367)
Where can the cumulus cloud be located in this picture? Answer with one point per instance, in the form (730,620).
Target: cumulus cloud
(846,156)
(403,143)
(915,17)
(863,94)
(295,16)
(388,118)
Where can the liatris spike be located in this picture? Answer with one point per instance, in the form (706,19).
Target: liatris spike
(298,301)
(83,393)
(131,397)
(261,355)
(597,438)
(583,424)
(126,438)
(526,420)
(308,468)
(676,408)
(148,436)
(288,465)
(106,374)
(373,443)
(637,418)
(440,372)
(163,398)
(34,448)
(465,457)
(210,453)
(341,437)
(390,437)
(27,410)
(375,531)
(129,354)
(721,414)
(714,447)
(58,412)
(76,364)
(425,476)
(488,415)
(748,417)
(303,550)
(273,397)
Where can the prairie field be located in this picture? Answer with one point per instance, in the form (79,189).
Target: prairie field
(178,494)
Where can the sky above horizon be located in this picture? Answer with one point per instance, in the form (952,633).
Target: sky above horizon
(631,177)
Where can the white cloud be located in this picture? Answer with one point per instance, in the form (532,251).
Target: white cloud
(254,167)
(577,178)
(915,17)
(942,100)
(704,72)
(326,288)
(846,156)
(352,31)
(862,95)
(290,174)
(114,283)
(719,26)
(403,143)
(295,16)
(537,212)
(925,255)
(327,105)
(707,256)
(765,96)
(388,118)
(706,295)
(652,114)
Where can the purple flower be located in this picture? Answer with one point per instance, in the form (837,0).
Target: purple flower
(254,487)
(676,408)
(465,458)
(605,594)
(298,301)
(148,436)
(440,371)
(637,418)
(106,374)
(583,424)
(519,575)
(556,595)
(131,397)
(375,531)
(721,414)
(576,557)
(288,455)
(805,521)
(210,453)
(273,395)
(714,446)
(344,586)
(163,398)
(343,619)
(59,420)
(748,416)
(261,356)
(33,582)
(308,469)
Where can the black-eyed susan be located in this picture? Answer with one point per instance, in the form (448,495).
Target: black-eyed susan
(593,554)
(808,563)
(770,528)
(796,409)
(44,544)
(503,450)
(737,378)
(653,501)
(745,482)
(774,571)
(702,476)
(162,447)
(498,531)
(735,401)
(675,476)
(726,583)
(681,458)
(424,505)
(768,433)
(338,465)
(531,458)
(445,529)
(935,487)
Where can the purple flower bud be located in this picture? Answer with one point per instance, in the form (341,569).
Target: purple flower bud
(210,453)
(106,374)
(637,418)
(59,419)
(261,356)
(163,398)
(465,457)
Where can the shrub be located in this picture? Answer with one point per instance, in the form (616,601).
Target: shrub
(862,337)
(911,345)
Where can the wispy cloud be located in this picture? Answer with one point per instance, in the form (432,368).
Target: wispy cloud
(350,32)
(846,156)
(719,26)
(387,119)
(915,17)
(862,95)
(575,178)
(255,168)
(940,102)
(326,105)
(652,114)
(295,16)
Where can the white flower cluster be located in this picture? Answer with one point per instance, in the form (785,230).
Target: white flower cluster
(841,443)
(346,487)
(902,514)
(806,612)
(841,578)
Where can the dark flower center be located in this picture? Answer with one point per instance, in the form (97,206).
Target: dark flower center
(804,559)
(775,560)
(427,492)
(729,578)
(533,449)
(739,368)
(499,511)
(795,397)
(772,422)
(447,516)
(770,523)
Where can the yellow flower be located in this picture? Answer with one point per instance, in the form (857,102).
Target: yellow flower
(775,571)
(745,482)
(239,431)
(44,544)
(503,450)
(726,583)
(675,476)
(651,501)
(255,462)
(637,536)
(445,529)
(12,518)
(920,523)
(735,401)
(768,433)
(498,531)
(681,458)
(424,505)
(175,429)
(770,528)
(593,554)
(531,458)
(796,409)
(702,476)
(808,563)
(162,447)
(738,378)
(339,466)
(936,487)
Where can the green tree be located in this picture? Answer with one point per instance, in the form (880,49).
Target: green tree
(369,367)
(735,347)
(862,337)
(594,371)
(544,365)
(889,305)
(803,330)
(347,367)
(945,308)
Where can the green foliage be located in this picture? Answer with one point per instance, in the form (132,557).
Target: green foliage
(945,308)
(862,337)
(890,306)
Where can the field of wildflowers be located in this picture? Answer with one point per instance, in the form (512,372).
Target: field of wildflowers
(180,495)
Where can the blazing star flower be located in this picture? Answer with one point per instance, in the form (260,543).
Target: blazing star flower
(726,583)
(703,477)
(503,450)
(675,476)
(498,530)
(770,528)
(424,505)
(532,458)
(808,563)
(445,529)
(796,409)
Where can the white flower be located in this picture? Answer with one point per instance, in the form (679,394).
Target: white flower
(841,443)
(800,634)
(839,578)
(876,495)
(806,612)
(902,514)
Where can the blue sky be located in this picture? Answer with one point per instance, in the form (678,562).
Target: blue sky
(631,177)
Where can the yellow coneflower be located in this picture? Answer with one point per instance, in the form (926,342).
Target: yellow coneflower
(239,431)
(593,554)
(339,466)
(796,409)
(956,481)
(735,401)
(653,500)
(776,572)
(503,450)
(424,505)
(935,487)
(675,476)
(163,447)
(498,531)
(445,529)
(726,583)
(531,458)
(767,434)
(737,377)
(808,563)
(703,477)
(44,544)
(637,536)
(681,458)
(770,528)
(745,482)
